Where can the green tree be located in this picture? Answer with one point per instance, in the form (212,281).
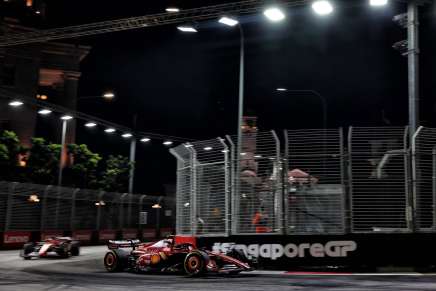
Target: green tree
(115,175)
(10,148)
(43,161)
(84,164)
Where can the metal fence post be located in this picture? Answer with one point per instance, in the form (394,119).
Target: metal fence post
(234,212)
(350,178)
(193,202)
(285,186)
(278,192)
(228,216)
(344,191)
(411,215)
(44,206)
(8,221)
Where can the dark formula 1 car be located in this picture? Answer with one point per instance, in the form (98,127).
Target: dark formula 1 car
(172,256)
(62,247)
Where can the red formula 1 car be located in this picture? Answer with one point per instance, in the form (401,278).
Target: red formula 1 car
(62,247)
(171,256)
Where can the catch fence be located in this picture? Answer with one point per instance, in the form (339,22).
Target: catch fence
(305,182)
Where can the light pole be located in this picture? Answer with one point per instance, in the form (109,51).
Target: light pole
(314,93)
(64,119)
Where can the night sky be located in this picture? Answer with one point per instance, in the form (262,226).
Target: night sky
(187,85)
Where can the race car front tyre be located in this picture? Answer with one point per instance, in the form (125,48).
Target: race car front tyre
(27,249)
(115,260)
(195,264)
(75,249)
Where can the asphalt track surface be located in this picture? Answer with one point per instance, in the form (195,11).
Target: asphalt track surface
(86,272)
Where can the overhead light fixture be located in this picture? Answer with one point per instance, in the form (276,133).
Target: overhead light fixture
(225,151)
(15,103)
(127,135)
(322,7)
(90,124)
(186,28)
(156,206)
(109,95)
(110,130)
(172,9)
(167,142)
(188,145)
(274,14)
(66,117)
(208,149)
(258,156)
(281,89)
(378,2)
(243,154)
(145,139)
(38,12)
(44,111)
(228,21)
(100,203)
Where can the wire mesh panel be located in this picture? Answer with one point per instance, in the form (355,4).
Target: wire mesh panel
(257,197)
(424,173)
(315,200)
(56,208)
(25,203)
(211,184)
(379,179)
(185,186)
(85,210)
(109,211)
(4,194)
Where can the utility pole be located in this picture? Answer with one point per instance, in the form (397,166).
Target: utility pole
(132,156)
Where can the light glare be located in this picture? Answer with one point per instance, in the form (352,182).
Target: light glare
(228,21)
(172,9)
(44,111)
(281,89)
(109,130)
(378,2)
(167,143)
(91,124)
(322,7)
(186,28)
(15,103)
(208,148)
(274,14)
(127,135)
(145,139)
(66,117)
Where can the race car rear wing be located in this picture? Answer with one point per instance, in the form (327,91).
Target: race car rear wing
(119,244)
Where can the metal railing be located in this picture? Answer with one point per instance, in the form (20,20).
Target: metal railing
(362,180)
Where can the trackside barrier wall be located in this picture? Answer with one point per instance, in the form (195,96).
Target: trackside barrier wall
(308,182)
(58,210)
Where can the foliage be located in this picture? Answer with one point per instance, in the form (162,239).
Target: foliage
(84,165)
(43,161)
(115,176)
(10,148)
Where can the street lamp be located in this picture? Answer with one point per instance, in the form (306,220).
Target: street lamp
(228,21)
(378,2)
(90,124)
(16,103)
(274,14)
(322,7)
(65,119)
(187,28)
(44,111)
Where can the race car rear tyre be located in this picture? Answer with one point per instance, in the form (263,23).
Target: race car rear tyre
(75,249)
(115,260)
(27,249)
(195,264)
